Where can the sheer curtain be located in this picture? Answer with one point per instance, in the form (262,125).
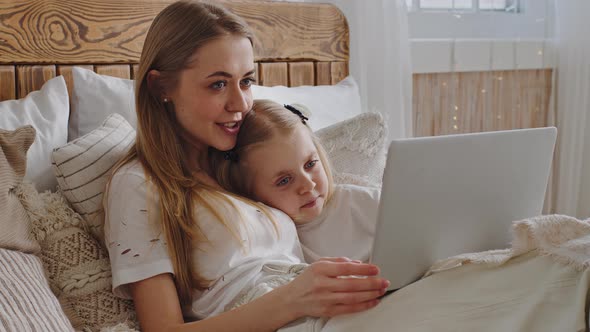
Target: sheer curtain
(571,177)
(380,59)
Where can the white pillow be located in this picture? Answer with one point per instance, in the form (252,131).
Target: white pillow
(328,104)
(94,97)
(47,110)
(82,167)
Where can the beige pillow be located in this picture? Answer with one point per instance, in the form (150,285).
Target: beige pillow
(15,228)
(78,267)
(26,302)
(357,149)
(82,168)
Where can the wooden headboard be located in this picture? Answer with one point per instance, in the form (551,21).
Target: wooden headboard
(298,43)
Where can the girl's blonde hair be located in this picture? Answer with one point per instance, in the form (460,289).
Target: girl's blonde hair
(264,122)
(174,36)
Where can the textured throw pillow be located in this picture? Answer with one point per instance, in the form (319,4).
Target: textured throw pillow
(94,97)
(26,302)
(47,110)
(15,226)
(82,167)
(77,266)
(357,149)
(328,104)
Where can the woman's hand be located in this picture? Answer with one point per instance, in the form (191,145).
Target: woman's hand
(323,290)
(339,260)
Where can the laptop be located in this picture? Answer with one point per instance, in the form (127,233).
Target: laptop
(447,195)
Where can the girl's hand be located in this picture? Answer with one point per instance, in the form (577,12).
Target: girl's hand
(320,291)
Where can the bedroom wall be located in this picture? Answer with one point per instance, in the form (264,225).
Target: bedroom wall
(482,71)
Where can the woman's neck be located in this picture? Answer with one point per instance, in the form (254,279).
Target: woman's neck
(198,161)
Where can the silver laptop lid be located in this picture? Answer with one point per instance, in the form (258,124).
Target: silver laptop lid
(447,195)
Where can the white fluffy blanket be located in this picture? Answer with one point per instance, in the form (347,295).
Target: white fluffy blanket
(541,284)
(563,238)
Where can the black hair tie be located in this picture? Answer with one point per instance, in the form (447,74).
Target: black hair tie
(297,112)
(231,155)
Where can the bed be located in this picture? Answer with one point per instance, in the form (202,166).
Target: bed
(302,54)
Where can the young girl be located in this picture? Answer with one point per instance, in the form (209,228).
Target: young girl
(278,161)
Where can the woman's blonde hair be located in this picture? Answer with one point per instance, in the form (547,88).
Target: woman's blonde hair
(173,38)
(264,122)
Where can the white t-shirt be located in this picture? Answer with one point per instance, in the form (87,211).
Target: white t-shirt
(345,228)
(138,250)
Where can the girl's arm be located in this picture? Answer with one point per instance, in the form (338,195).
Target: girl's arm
(316,292)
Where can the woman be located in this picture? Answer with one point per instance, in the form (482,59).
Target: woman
(164,210)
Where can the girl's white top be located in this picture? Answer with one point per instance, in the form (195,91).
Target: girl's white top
(138,248)
(346,226)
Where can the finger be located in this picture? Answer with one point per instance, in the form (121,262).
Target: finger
(356,284)
(334,269)
(354,297)
(341,309)
(338,259)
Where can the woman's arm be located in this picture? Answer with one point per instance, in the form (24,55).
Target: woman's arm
(158,309)
(316,292)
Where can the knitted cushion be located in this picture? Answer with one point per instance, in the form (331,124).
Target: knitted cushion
(78,268)
(357,149)
(26,302)
(15,228)
(82,168)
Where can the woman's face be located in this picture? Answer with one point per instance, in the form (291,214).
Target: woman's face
(213,94)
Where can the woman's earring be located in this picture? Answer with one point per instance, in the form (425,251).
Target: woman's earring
(165,100)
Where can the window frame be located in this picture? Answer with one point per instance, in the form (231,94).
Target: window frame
(415,6)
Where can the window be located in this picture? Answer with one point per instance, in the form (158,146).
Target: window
(507,6)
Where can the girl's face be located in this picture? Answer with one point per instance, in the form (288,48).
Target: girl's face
(212,95)
(288,175)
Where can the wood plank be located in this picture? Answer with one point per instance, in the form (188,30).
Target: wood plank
(31,78)
(66,72)
(257,73)
(134,69)
(301,73)
(113,31)
(338,71)
(7,83)
(121,71)
(273,74)
(547,114)
(303,31)
(423,104)
(323,73)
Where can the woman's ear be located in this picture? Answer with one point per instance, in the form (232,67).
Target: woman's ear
(154,84)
